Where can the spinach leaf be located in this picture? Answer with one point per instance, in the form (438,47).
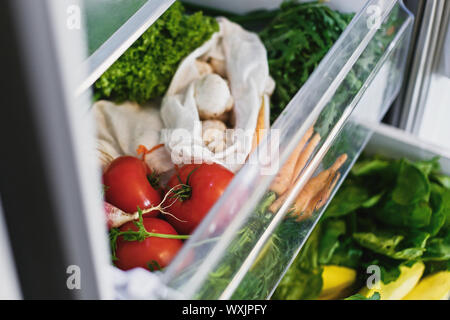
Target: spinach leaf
(349,198)
(429,166)
(443,180)
(329,239)
(438,216)
(390,244)
(375,296)
(438,249)
(369,166)
(409,216)
(412,185)
(347,254)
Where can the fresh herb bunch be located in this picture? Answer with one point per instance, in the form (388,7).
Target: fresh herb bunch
(238,250)
(145,70)
(387,213)
(296,41)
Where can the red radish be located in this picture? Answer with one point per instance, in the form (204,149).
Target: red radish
(116,217)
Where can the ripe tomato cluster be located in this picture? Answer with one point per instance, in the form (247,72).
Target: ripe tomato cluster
(189,195)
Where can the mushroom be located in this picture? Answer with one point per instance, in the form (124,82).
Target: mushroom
(203,67)
(219,67)
(213,96)
(213,135)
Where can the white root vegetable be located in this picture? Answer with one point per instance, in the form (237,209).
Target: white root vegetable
(116,217)
(213,135)
(212,96)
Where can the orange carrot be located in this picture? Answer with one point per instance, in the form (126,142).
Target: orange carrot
(305,155)
(320,198)
(316,184)
(284,178)
(276,205)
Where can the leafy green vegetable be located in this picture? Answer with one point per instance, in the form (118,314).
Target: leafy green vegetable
(388,244)
(296,41)
(415,215)
(347,254)
(369,166)
(429,166)
(304,279)
(387,213)
(438,249)
(329,241)
(375,296)
(412,184)
(442,180)
(348,199)
(145,70)
(433,266)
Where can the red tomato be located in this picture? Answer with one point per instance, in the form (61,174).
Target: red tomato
(207,182)
(127,186)
(132,254)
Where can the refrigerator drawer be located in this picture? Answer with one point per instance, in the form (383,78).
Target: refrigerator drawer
(357,80)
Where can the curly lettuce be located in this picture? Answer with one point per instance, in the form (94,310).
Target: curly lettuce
(145,70)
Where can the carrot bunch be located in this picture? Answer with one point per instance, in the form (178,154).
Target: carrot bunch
(317,190)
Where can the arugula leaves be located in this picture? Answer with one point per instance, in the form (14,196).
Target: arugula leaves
(296,40)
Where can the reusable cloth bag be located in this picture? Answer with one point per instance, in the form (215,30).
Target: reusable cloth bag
(121,129)
(248,75)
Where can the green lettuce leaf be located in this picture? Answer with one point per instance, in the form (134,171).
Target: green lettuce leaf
(369,166)
(438,249)
(409,216)
(349,198)
(412,184)
(393,245)
(329,239)
(375,296)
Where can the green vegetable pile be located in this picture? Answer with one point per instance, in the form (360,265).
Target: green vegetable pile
(145,70)
(296,41)
(387,213)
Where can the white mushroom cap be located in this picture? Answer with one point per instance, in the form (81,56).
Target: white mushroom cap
(219,67)
(213,96)
(203,68)
(213,135)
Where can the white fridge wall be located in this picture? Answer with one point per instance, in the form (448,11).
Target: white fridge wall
(435,124)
